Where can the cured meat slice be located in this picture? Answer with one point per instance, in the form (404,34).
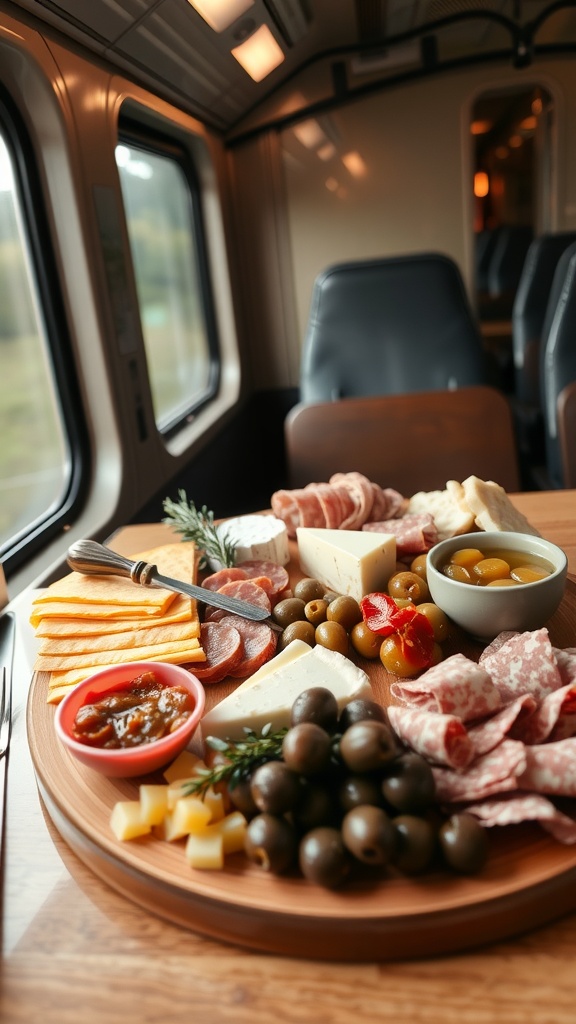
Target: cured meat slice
(362,493)
(554,718)
(259,641)
(335,503)
(309,508)
(224,650)
(497,643)
(387,504)
(551,768)
(494,772)
(441,739)
(415,534)
(524,664)
(566,661)
(513,808)
(284,506)
(228,575)
(249,591)
(276,574)
(456,686)
(508,721)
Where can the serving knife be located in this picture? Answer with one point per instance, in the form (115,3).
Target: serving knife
(93,559)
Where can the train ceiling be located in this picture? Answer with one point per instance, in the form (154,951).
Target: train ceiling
(332,48)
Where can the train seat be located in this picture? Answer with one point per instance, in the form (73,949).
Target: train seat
(390,325)
(566,407)
(411,441)
(558,362)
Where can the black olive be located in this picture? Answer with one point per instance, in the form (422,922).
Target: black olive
(241,796)
(416,843)
(316,704)
(306,748)
(360,710)
(290,609)
(323,858)
(409,784)
(367,746)
(464,843)
(369,834)
(316,807)
(275,788)
(359,789)
(271,842)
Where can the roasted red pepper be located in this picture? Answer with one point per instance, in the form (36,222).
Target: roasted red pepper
(416,636)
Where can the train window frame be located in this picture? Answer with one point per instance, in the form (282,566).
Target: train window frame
(157,142)
(35,535)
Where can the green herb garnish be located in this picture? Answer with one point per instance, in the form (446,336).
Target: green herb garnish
(242,757)
(198,526)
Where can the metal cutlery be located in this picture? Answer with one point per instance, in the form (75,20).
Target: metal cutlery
(91,558)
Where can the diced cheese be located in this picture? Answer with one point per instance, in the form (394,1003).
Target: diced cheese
(126,820)
(270,699)
(205,850)
(352,562)
(153,803)
(185,765)
(261,537)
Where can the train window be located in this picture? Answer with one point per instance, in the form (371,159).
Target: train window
(165,231)
(38,464)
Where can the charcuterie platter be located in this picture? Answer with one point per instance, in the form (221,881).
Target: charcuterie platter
(529,878)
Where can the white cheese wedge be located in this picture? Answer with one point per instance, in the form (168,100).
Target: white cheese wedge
(269,700)
(350,562)
(262,537)
(294,650)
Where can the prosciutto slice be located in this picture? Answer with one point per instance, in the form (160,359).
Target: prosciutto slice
(509,721)
(441,739)
(551,768)
(415,533)
(513,808)
(456,686)
(554,718)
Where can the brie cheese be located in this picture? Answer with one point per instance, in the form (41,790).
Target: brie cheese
(269,699)
(255,537)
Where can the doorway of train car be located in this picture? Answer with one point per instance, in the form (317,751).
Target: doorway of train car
(512,159)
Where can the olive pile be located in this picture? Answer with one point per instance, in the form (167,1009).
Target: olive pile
(345,795)
(335,620)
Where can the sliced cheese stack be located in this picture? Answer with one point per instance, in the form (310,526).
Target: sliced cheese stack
(268,696)
(351,562)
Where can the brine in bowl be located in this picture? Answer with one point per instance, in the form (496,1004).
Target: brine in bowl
(487,604)
(131,719)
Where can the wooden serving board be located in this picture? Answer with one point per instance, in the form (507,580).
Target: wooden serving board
(529,879)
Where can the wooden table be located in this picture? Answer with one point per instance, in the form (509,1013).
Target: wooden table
(75,952)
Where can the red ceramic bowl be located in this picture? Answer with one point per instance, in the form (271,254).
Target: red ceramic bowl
(129,761)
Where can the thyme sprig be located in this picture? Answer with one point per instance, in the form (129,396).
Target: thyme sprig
(198,525)
(242,757)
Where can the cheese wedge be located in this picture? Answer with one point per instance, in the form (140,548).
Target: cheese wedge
(352,562)
(254,704)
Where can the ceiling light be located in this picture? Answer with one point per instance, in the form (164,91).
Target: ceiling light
(259,54)
(481,184)
(354,164)
(219,14)
(310,134)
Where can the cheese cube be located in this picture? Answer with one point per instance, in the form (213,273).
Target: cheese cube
(183,766)
(270,700)
(126,820)
(205,850)
(153,803)
(352,562)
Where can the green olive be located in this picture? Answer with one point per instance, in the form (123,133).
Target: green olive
(330,595)
(394,659)
(308,589)
(299,630)
(366,643)
(437,619)
(333,636)
(419,565)
(345,610)
(315,611)
(291,609)
(408,585)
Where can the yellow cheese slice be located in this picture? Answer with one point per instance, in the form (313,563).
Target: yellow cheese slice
(151,652)
(149,636)
(64,626)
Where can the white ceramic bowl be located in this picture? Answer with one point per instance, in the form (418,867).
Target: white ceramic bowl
(486,611)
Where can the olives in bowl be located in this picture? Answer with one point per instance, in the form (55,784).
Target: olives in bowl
(488,583)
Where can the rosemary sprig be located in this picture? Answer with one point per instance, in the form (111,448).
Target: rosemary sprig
(198,525)
(242,756)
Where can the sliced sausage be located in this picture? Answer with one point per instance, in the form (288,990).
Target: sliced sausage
(228,575)
(224,651)
(259,644)
(260,567)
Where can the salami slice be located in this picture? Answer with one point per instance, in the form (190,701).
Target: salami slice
(441,739)
(509,721)
(524,664)
(497,771)
(249,591)
(456,686)
(276,574)
(227,575)
(551,768)
(554,718)
(309,507)
(224,651)
(566,661)
(259,642)
(361,491)
(415,533)
(284,507)
(513,808)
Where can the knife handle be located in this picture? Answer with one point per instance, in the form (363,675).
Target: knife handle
(87,556)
